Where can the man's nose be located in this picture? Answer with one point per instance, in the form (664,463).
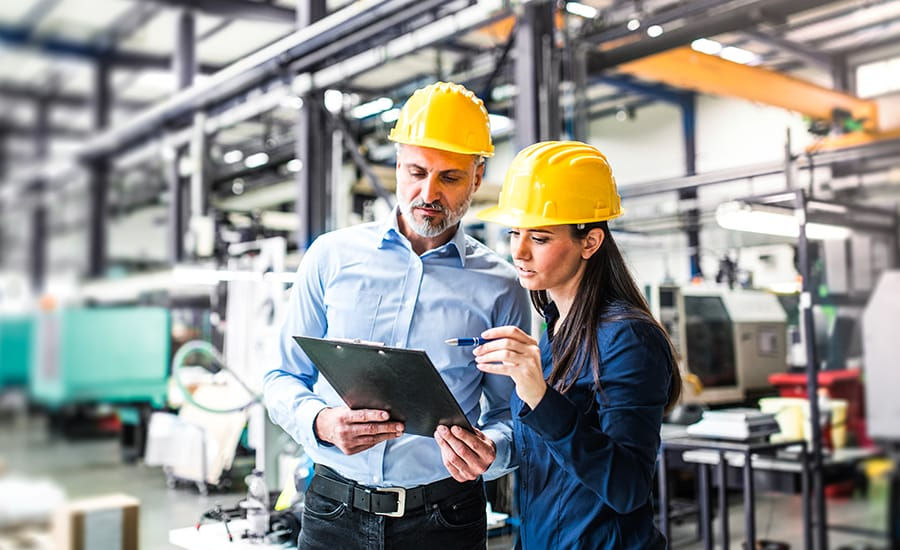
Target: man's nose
(431,189)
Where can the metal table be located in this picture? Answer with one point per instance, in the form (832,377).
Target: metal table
(746,456)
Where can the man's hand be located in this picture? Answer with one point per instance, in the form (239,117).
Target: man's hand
(355,431)
(466,455)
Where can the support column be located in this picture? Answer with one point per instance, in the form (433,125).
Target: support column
(313,148)
(536,74)
(38,244)
(99,175)
(580,118)
(840,76)
(184,67)
(688,105)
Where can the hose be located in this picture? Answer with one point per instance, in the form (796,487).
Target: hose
(207,349)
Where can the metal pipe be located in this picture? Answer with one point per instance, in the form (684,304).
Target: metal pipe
(245,72)
(812,371)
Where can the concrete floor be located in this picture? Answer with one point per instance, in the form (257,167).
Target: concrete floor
(87,468)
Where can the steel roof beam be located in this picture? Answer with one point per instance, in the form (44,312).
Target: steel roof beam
(807,54)
(67,99)
(236,9)
(20,36)
(738,19)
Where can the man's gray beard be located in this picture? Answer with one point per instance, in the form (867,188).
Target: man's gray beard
(428,229)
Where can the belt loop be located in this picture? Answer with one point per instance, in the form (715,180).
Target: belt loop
(351,489)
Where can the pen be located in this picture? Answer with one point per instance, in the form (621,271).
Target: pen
(474,341)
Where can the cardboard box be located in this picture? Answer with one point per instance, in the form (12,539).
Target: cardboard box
(108,522)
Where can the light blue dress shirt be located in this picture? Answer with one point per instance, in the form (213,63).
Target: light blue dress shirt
(366,282)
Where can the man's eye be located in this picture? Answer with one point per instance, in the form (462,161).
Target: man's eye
(512,232)
(539,240)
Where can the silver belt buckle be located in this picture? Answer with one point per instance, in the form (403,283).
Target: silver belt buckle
(401,501)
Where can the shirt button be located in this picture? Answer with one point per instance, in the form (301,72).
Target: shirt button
(398,344)
(375,479)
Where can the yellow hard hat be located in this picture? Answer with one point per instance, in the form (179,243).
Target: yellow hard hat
(556,183)
(445,116)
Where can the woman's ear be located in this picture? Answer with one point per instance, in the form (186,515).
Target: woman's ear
(591,242)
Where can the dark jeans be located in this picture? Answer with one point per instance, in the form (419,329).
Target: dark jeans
(457,522)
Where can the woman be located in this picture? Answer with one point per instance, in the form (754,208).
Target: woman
(591,395)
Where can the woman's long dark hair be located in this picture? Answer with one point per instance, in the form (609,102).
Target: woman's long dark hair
(606,293)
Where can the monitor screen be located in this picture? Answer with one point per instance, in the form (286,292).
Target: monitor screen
(710,344)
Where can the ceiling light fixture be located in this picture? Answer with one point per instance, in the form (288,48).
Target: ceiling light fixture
(334,101)
(654,31)
(707,46)
(770,220)
(738,55)
(256,160)
(583,10)
(391,115)
(633,24)
(233,156)
(372,108)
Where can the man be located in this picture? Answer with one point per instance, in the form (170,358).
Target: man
(411,281)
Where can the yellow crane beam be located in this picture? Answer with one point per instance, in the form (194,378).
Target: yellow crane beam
(689,69)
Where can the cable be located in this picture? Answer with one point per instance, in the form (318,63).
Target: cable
(207,349)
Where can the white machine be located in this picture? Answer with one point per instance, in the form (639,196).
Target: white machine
(882,368)
(731,340)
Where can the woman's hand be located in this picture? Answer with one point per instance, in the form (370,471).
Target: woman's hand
(515,354)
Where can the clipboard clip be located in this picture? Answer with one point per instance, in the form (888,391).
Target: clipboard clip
(358,341)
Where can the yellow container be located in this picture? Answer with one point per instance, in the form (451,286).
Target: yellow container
(792,415)
(789,413)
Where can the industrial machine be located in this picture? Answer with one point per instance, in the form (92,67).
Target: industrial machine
(101,355)
(882,378)
(16,332)
(882,375)
(731,340)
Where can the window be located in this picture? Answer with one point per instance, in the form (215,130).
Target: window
(879,77)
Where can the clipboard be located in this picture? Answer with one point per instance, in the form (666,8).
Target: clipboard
(403,382)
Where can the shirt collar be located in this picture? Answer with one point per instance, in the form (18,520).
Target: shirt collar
(390,231)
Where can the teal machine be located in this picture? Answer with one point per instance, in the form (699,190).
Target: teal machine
(16,333)
(117,356)
(101,355)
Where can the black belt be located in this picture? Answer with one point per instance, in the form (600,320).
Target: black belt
(384,501)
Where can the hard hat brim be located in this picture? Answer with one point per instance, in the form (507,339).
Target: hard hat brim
(517,218)
(442,145)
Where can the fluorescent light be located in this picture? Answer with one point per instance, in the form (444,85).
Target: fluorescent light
(233,156)
(503,91)
(256,160)
(499,123)
(785,287)
(654,30)
(740,216)
(294,165)
(391,115)
(292,102)
(372,107)
(738,55)
(633,24)
(334,101)
(577,8)
(707,46)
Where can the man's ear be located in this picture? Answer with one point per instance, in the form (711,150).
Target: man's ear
(479,176)
(591,242)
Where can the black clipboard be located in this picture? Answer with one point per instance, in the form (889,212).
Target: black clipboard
(401,381)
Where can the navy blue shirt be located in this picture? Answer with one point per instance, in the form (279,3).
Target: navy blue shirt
(587,458)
